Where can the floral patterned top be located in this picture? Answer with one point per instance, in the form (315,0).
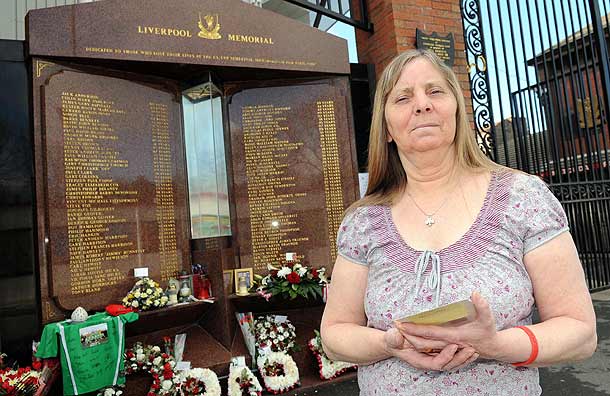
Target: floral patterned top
(519,213)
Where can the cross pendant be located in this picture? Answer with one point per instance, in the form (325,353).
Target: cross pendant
(429,221)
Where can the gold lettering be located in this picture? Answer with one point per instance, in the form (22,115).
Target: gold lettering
(164,31)
(242,38)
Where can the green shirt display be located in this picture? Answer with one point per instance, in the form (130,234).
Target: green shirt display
(91,351)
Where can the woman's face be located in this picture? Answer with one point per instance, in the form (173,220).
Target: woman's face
(420,110)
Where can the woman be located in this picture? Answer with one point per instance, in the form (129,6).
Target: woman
(441,223)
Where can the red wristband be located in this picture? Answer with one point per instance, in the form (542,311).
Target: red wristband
(534,343)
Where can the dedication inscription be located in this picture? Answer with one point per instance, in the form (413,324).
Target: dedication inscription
(114,186)
(292,179)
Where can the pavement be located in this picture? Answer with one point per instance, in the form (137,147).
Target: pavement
(588,378)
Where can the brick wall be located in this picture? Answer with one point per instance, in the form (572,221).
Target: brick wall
(395,22)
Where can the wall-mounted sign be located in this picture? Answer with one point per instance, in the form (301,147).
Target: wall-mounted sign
(443,46)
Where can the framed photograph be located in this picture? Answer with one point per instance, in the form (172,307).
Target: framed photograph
(227,279)
(244,273)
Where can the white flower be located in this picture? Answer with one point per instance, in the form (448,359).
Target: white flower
(137,294)
(281,382)
(272,334)
(149,291)
(285,271)
(280,337)
(157,360)
(167,385)
(156,349)
(140,357)
(301,271)
(238,372)
(322,275)
(135,303)
(109,392)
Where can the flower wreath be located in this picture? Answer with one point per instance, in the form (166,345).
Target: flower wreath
(148,358)
(279,371)
(243,383)
(277,335)
(328,369)
(199,382)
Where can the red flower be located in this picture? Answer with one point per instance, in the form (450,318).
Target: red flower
(167,366)
(293,277)
(37,365)
(314,273)
(168,375)
(289,264)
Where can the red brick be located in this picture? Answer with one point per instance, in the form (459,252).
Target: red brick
(441,6)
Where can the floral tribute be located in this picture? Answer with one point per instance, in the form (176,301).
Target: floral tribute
(328,369)
(199,382)
(22,381)
(161,365)
(243,383)
(274,333)
(144,295)
(279,371)
(27,381)
(292,280)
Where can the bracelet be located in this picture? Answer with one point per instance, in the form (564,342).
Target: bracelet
(534,343)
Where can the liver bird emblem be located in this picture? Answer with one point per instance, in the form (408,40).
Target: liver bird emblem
(209,27)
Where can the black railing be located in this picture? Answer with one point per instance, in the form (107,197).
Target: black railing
(547,85)
(339,10)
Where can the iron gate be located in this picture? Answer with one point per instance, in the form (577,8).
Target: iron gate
(540,82)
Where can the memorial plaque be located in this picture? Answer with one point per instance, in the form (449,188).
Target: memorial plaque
(294,171)
(443,46)
(205,32)
(114,186)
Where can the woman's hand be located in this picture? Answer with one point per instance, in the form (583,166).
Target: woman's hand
(450,357)
(479,333)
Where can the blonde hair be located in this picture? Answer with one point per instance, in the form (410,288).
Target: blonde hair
(387,178)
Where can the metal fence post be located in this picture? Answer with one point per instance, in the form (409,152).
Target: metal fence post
(602,51)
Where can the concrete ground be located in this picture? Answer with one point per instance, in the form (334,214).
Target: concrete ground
(589,378)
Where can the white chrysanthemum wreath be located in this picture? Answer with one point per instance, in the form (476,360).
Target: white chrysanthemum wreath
(328,369)
(279,371)
(199,382)
(243,383)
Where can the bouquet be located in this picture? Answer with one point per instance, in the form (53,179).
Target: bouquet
(274,333)
(279,371)
(292,280)
(328,369)
(22,381)
(137,358)
(243,383)
(199,382)
(145,294)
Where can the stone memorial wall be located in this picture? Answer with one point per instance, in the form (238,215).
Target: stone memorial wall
(113,159)
(294,171)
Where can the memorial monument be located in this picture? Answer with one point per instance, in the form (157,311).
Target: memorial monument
(169,134)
